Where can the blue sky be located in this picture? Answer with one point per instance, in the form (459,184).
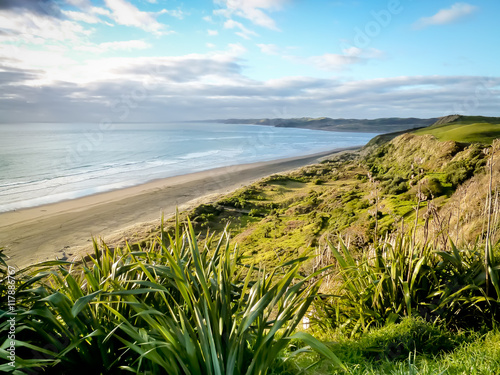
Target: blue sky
(168,60)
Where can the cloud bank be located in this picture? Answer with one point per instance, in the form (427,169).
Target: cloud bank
(212,86)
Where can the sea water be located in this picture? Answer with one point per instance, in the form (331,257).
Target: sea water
(46,163)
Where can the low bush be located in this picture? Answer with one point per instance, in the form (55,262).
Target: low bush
(180,307)
(400,280)
(411,336)
(395,186)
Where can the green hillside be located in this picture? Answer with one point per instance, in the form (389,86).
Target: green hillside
(466,129)
(381,254)
(286,215)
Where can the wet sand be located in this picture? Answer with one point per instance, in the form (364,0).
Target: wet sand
(64,230)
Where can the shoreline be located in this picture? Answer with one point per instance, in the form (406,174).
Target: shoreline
(64,230)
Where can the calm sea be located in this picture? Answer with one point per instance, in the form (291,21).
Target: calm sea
(46,163)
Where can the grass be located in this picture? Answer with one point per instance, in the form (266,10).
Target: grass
(467,129)
(399,279)
(263,217)
(181,306)
(375,354)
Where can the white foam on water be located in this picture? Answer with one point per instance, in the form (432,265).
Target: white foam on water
(48,163)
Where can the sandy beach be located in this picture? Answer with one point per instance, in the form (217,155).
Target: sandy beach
(64,230)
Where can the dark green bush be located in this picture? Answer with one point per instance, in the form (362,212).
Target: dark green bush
(433,188)
(363,204)
(257,212)
(395,186)
(459,171)
(457,176)
(317,181)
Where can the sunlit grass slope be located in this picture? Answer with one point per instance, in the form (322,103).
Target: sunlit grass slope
(466,129)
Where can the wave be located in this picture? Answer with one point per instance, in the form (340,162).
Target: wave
(135,159)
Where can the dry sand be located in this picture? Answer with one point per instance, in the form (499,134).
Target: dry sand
(64,230)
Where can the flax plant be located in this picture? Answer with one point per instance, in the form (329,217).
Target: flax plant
(224,323)
(177,307)
(447,287)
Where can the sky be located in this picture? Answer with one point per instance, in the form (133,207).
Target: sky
(108,61)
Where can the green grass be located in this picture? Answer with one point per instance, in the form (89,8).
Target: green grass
(182,306)
(261,216)
(467,129)
(462,353)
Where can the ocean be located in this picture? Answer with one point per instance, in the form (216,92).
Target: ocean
(46,163)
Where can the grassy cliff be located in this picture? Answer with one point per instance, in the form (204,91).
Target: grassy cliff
(466,129)
(365,195)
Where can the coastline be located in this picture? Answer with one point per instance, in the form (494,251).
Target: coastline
(65,229)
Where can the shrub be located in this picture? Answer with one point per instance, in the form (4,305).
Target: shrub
(433,188)
(405,280)
(181,307)
(396,186)
(363,204)
(317,181)
(256,212)
(457,176)
(411,335)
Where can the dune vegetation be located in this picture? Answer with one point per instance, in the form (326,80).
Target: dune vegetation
(382,261)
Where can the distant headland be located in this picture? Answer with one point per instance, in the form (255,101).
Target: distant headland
(380,125)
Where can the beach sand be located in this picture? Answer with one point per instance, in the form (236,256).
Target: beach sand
(64,230)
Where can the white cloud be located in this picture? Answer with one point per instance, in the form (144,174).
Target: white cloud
(125,13)
(31,27)
(370,53)
(48,62)
(88,14)
(81,16)
(54,66)
(333,61)
(177,13)
(252,10)
(275,50)
(350,56)
(236,49)
(127,45)
(269,49)
(213,86)
(352,51)
(208,19)
(244,32)
(79,3)
(210,45)
(101,11)
(212,32)
(445,16)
